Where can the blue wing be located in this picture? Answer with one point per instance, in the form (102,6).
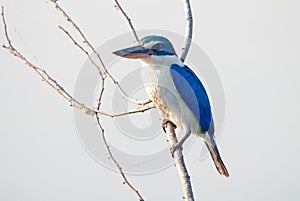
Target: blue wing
(194,95)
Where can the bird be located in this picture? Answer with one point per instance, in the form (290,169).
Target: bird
(177,92)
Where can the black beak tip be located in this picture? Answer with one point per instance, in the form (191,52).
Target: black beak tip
(119,53)
(134,52)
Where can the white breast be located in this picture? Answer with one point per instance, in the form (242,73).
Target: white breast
(163,93)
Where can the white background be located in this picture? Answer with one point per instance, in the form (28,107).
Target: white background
(255,46)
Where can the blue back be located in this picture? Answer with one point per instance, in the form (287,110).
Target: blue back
(194,95)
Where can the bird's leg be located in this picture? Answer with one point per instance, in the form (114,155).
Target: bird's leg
(180,143)
(164,124)
(182,140)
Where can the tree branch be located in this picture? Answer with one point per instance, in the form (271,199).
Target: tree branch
(138,110)
(179,163)
(111,157)
(143,102)
(42,73)
(188,30)
(93,50)
(82,49)
(123,13)
(170,127)
(102,70)
(50,81)
(73,102)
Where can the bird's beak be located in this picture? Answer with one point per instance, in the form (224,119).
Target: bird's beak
(136,52)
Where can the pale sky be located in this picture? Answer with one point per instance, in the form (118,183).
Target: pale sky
(254,46)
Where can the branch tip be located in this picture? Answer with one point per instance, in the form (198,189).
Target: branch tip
(130,25)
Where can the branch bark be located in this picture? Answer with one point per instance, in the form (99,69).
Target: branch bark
(179,163)
(117,165)
(188,29)
(73,102)
(123,13)
(94,51)
(125,181)
(169,127)
(50,81)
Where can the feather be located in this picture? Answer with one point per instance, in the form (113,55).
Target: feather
(194,95)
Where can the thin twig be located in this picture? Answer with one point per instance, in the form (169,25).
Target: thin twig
(188,30)
(82,49)
(94,51)
(139,110)
(78,30)
(179,163)
(73,102)
(110,155)
(50,81)
(42,73)
(119,168)
(123,13)
(144,102)
(169,127)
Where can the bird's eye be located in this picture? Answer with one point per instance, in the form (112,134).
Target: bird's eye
(157,47)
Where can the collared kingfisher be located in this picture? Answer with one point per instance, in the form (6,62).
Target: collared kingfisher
(177,92)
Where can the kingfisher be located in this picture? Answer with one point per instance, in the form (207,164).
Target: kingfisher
(177,92)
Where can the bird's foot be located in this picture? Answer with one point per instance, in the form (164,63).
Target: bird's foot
(165,123)
(174,148)
(178,145)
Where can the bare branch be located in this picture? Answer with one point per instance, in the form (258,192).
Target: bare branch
(43,74)
(179,160)
(50,81)
(110,155)
(81,48)
(119,168)
(170,128)
(85,41)
(188,29)
(73,102)
(143,102)
(139,110)
(179,163)
(123,13)
(89,45)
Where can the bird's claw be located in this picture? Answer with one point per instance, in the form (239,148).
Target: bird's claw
(175,148)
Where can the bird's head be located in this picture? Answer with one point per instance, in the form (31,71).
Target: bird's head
(149,48)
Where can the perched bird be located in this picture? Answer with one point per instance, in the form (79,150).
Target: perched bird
(177,92)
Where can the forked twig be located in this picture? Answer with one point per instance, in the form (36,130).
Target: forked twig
(58,87)
(170,129)
(82,49)
(42,73)
(111,156)
(73,102)
(94,51)
(102,70)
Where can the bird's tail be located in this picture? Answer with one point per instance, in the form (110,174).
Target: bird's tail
(215,154)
